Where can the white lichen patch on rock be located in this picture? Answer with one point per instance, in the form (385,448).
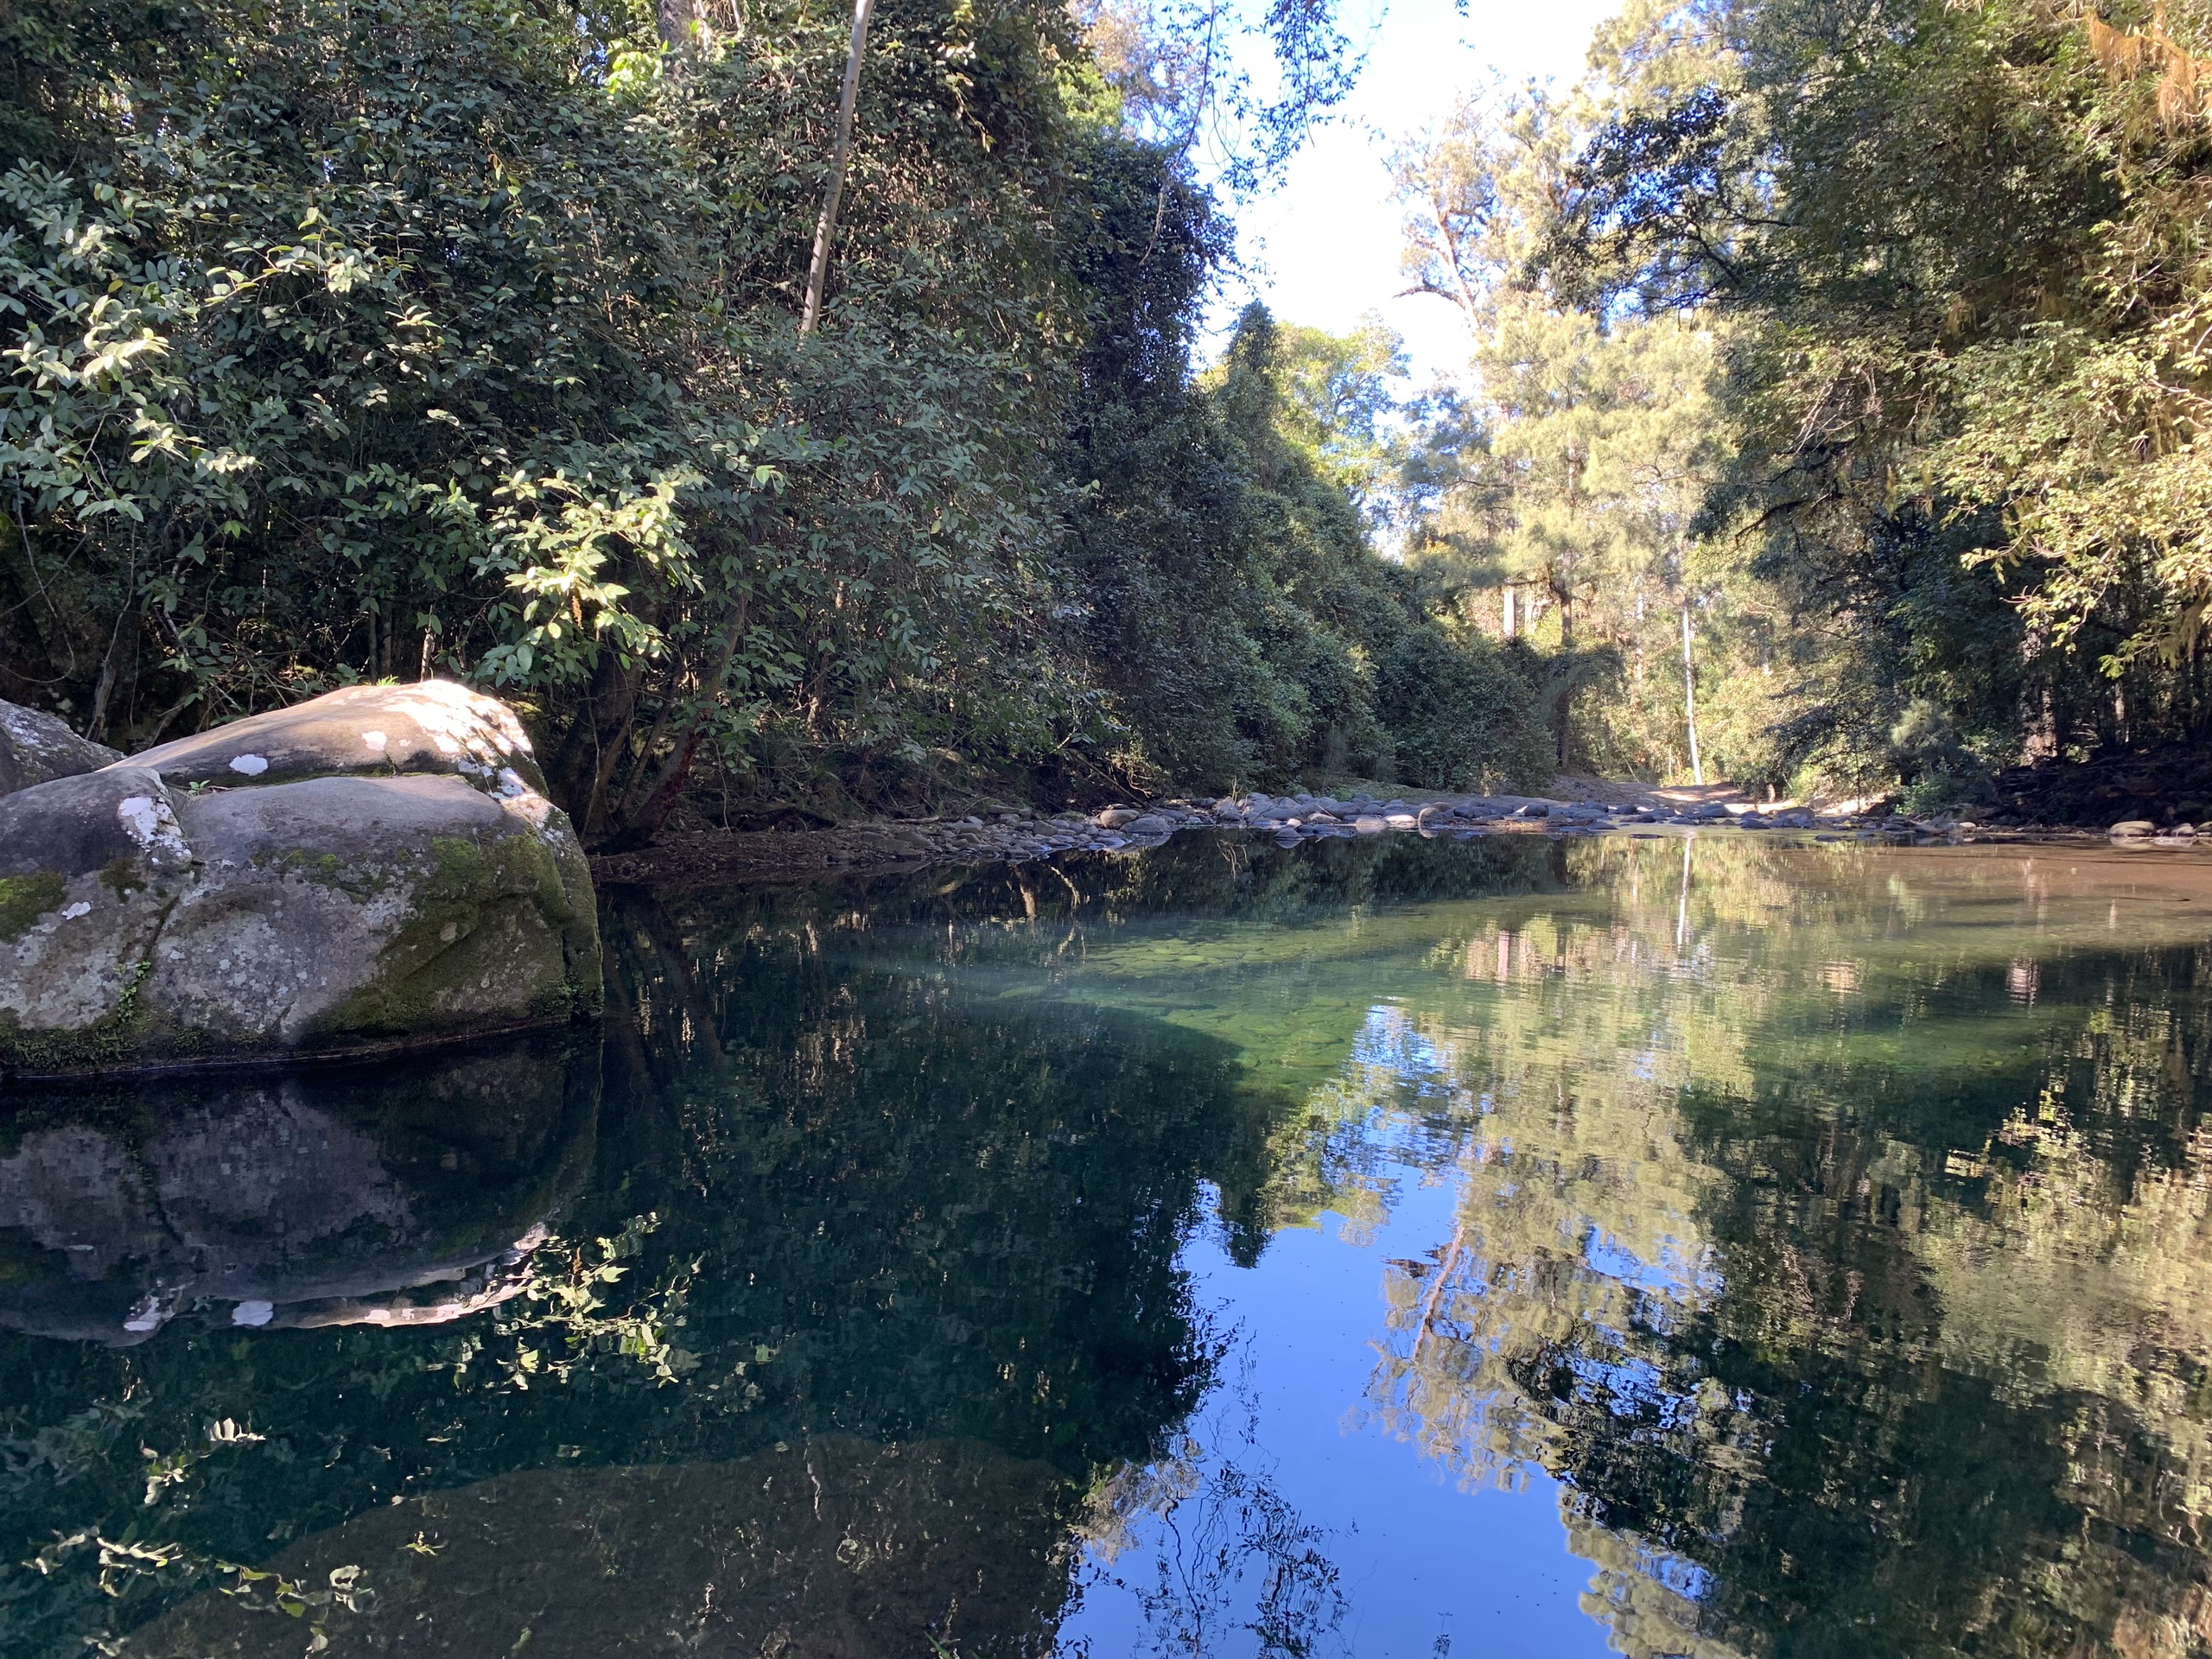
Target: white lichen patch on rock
(151,822)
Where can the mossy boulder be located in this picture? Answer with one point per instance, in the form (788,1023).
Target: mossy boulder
(140,923)
(37,748)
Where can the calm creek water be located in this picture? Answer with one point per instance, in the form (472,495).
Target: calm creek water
(1714,1246)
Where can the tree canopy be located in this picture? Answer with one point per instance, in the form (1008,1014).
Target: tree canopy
(351,342)
(1944,495)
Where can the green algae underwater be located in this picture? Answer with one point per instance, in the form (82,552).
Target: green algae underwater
(1709,1245)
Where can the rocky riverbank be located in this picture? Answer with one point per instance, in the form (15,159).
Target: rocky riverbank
(1014,836)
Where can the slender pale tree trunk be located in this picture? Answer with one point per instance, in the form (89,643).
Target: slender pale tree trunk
(1682,906)
(825,229)
(1563,592)
(1689,696)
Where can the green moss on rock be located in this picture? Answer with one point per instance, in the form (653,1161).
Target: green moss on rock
(24,899)
(120,1037)
(490,921)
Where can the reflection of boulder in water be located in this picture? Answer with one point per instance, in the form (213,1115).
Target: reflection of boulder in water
(402,1193)
(833,1548)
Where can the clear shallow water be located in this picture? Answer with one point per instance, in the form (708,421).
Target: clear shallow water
(1379,1248)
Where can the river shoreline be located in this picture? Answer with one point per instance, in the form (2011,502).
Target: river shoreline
(781,856)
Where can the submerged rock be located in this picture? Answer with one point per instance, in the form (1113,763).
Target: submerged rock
(144,923)
(827,1546)
(37,748)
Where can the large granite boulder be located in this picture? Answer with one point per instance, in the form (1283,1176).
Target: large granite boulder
(36,747)
(149,916)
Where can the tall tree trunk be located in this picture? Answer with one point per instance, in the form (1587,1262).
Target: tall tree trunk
(825,228)
(577,770)
(1565,594)
(1689,696)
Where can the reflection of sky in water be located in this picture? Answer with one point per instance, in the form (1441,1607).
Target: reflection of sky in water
(1633,1387)
(1388,1040)
(1427,1566)
(1670,1276)
(1523,1149)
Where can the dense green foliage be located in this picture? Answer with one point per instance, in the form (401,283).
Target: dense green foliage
(1948,261)
(347,342)
(1838,371)
(1236,607)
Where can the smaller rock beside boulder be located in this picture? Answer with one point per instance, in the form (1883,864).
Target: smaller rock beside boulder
(37,748)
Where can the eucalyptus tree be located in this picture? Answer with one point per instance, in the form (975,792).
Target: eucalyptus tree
(1599,432)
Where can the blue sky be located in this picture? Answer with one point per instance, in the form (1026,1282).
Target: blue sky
(1323,249)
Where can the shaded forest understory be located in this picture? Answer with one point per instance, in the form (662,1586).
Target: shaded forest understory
(1830,422)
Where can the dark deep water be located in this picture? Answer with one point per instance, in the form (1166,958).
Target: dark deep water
(1389,1248)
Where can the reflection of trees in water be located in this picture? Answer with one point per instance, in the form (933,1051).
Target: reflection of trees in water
(1848,1274)
(903,1212)
(943,1211)
(1215,1557)
(1841,1335)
